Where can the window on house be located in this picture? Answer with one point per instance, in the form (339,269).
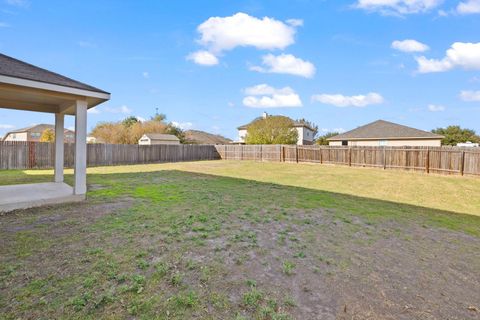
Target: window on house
(344,143)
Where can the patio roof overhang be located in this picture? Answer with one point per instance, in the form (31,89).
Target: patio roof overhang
(30,88)
(29,95)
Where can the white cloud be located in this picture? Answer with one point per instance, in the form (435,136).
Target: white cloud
(203,58)
(4,25)
(231,104)
(470,95)
(461,54)
(409,45)
(265,89)
(286,63)
(220,34)
(141,119)
(435,108)
(18,3)
(474,79)
(123,109)
(145,74)
(265,96)
(327,130)
(6,126)
(397,7)
(182,125)
(442,13)
(225,33)
(295,22)
(340,100)
(86,44)
(469,7)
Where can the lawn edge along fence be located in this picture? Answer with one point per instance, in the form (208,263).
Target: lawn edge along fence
(444,160)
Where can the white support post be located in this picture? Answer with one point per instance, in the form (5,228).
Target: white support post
(59,120)
(80,147)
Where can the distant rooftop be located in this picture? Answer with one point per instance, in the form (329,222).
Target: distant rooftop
(12,67)
(161,136)
(296,124)
(382,129)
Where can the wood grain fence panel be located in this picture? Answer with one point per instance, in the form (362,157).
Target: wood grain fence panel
(28,155)
(443,160)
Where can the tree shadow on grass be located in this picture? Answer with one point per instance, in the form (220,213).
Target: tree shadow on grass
(262,194)
(257,193)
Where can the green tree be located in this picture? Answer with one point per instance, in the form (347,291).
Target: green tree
(176,131)
(48,135)
(130,121)
(456,134)
(160,117)
(131,129)
(272,130)
(322,140)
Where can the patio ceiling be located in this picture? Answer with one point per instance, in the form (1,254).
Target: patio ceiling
(27,87)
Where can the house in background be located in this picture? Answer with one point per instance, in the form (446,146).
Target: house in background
(306,134)
(158,138)
(468,144)
(384,133)
(33,134)
(202,137)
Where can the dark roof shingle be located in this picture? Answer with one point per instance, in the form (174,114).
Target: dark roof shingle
(382,129)
(162,136)
(12,67)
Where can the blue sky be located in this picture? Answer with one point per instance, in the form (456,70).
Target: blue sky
(215,65)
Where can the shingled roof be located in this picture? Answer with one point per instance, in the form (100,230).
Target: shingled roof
(296,124)
(161,136)
(11,67)
(382,129)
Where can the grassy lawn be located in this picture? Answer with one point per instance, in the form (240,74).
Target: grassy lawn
(245,240)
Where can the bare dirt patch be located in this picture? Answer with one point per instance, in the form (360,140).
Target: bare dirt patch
(351,269)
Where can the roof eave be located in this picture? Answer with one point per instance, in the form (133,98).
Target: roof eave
(102,96)
(385,138)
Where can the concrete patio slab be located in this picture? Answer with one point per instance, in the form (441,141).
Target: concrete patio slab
(22,196)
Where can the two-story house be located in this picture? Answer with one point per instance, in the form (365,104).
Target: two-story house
(306,134)
(33,133)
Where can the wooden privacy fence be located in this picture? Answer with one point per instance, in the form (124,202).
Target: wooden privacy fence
(29,155)
(446,160)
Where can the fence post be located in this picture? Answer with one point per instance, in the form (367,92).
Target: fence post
(462,163)
(384,158)
(321,155)
(349,156)
(427,161)
(296,153)
(365,157)
(31,154)
(283,153)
